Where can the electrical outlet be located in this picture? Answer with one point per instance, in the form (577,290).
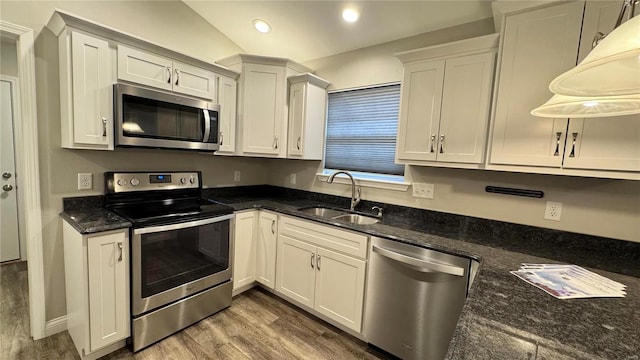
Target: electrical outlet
(85,181)
(422,190)
(553,211)
(236,175)
(293,179)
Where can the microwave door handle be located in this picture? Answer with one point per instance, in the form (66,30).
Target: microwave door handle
(207,125)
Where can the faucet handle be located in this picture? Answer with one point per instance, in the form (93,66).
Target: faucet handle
(379,210)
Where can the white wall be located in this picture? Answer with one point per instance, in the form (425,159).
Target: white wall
(8,58)
(168,23)
(602,207)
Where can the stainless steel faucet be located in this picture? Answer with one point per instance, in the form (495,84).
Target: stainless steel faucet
(354,199)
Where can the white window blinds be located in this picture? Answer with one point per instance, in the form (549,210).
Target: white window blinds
(362,126)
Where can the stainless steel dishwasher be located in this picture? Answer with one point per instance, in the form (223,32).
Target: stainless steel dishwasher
(414,299)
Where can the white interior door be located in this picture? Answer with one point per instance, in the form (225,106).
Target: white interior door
(9,237)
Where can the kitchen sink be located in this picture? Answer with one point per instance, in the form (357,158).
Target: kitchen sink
(322,212)
(340,215)
(357,219)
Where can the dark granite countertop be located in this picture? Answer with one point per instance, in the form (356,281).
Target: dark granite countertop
(503,317)
(88,221)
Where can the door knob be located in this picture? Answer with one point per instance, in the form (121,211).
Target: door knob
(7,188)
(6,175)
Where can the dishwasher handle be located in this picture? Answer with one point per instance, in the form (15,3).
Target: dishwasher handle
(419,264)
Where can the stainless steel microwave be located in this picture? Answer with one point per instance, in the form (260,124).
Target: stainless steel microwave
(150,118)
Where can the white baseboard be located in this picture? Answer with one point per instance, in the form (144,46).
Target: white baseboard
(55,326)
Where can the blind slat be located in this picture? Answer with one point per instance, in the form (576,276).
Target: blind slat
(362,127)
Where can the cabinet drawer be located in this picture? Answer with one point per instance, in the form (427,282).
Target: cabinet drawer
(327,236)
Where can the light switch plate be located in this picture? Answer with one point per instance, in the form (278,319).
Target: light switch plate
(236,175)
(293,179)
(423,190)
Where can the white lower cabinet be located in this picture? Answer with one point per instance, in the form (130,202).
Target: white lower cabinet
(322,268)
(97,290)
(266,237)
(244,253)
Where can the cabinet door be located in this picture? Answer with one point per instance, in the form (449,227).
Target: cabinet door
(420,110)
(244,257)
(537,46)
(144,68)
(266,249)
(264,114)
(92,90)
(604,143)
(227,97)
(339,292)
(466,101)
(108,288)
(191,80)
(296,272)
(297,114)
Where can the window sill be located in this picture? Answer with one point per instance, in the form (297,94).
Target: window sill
(366,182)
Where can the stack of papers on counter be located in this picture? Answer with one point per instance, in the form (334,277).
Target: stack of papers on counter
(569,281)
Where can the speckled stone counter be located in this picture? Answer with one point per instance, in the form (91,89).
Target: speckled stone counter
(503,317)
(87,215)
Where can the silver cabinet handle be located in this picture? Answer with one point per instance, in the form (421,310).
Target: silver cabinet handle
(177,76)
(313,256)
(419,264)
(433,143)
(318,262)
(597,38)
(7,188)
(275,142)
(104,126)
(221,138)
(120,248)
(6,175)
(273,226)
(298,143)
(168,75)
(441,144)
(558,136)
(573,144)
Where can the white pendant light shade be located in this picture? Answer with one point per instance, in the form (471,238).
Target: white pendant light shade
(560,106)
(611,68)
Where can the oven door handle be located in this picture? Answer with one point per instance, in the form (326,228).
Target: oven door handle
(183,225)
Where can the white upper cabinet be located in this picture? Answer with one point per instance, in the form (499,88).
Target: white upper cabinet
(445,102)
(85,92)
(93,57)
(537,46)
(152,70)
(262,118)
(307,117)
(227,99)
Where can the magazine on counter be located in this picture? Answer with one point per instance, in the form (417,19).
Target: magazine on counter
(569,281)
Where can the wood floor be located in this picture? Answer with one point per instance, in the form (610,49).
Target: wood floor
(258,325)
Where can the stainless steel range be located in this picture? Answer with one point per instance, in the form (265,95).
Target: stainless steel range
(180,250)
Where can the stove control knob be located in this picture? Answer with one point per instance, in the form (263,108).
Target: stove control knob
(192,180)
(122,182)
(135,182)
(183,181)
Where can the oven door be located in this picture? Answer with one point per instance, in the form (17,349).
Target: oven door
(170,262)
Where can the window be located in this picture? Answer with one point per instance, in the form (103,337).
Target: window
(362,127)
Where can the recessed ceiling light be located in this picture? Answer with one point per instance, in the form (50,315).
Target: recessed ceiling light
(350,15)
(261,25)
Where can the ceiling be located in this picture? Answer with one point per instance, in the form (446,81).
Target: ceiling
(308,30)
